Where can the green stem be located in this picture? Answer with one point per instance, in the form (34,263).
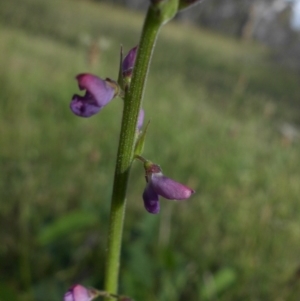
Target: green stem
(132,105)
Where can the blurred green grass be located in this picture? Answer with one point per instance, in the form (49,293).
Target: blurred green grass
(215,106)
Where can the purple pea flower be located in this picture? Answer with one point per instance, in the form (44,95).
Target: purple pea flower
(160,185)
(79,293)
(98,93)
(128,62)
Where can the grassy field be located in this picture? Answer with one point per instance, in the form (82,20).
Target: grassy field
(219,112)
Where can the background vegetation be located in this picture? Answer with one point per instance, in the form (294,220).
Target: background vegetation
(223,120)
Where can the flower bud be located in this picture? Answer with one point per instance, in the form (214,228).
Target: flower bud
(141,135)
(128,64)
(79,293)
(164,10)
(140,119)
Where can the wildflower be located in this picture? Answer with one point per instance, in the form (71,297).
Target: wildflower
(128,62)
(160,185)
(80,293)
(98,93)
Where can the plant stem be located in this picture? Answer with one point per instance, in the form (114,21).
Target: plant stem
(132,105)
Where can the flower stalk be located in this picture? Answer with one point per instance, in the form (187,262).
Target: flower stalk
(125,155)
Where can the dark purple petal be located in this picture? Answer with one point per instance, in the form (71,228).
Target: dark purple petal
(140,119)
(128,62)
(84,106)
(169,188)
(151,199)
(77,293)
(98,93)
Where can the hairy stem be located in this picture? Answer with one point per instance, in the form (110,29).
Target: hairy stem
(132,105)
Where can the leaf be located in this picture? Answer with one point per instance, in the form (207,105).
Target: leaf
(66,225)
(218,283)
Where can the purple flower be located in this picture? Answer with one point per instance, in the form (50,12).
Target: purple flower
(128,62)
(159,185)
(98,93)
(79,293)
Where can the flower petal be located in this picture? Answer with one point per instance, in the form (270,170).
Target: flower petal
(84,106)
(77,293)
(98,93)
(151,199)
(169,188)
(100,89)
